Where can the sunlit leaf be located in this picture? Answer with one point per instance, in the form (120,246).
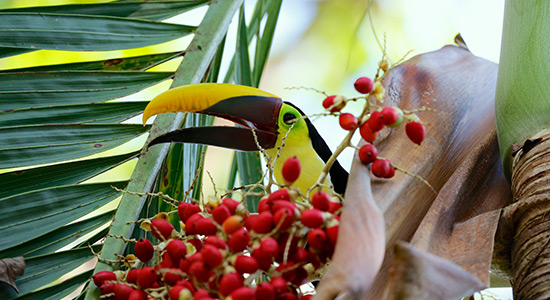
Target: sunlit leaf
(82,32)
(37,89)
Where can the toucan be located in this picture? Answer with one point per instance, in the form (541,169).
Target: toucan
(264,113)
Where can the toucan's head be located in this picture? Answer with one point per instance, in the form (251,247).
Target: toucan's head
(255,109)
(266,120)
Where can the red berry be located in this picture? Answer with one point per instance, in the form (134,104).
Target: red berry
(232,224)
(263,223)
(300,276)
(284,217)
(176,249)
(199,271)
(147,277)
(107,288)
(380,168)
(191,223)
(416,132)
(132,276)
(205,226)
(161,229)
(306,297)
(196,243)
(291,169)
(348,121)
(230,282)
(246,264)
(391,173)
(269,247)
(231,204)
(186,209)
(391,116)
(243,293)
(264,263)
(239,240)
(312,218)
(212,256)
(172,276)
(368,153)
(265,291)
(179,292)
(330,100)
(367,133)
(278,204)
(364,85)
(202,294)
(320,200)
(279,284)
(300,254)
(137,295)
(281,194)
(220,213)
(102,276)
(144,250)
(334,206)
(316,238)
(375,123)
(262,206)
(216,242)
(332,233)
(122,291)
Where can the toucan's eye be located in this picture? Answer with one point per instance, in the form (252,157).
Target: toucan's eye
(289,118)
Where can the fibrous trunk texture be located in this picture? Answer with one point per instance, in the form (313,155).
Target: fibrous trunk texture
(530,218)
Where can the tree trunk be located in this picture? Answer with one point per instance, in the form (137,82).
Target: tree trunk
(530,217)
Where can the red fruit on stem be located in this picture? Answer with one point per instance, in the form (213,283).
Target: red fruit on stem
(316,238)
(284,217)
(176,249)
(334,206)
(281,194)
(231,204)
(300,276)
(367,153)
(178,292)
(389,115)
(220,213)
(144,250)
(196,243)
(147,277)
(106,288)
(243,293)
(230,282)
(239,240)
(363,85)
(269,247)
(278,204)
(374,121)
(312,218)
(380,168)
(191,223)
(216,242)
(122,291)
(102,276)
(332,234)
(199,271)
(291,169)
(264,263)
(246,264)
(278,284)
(347,121)
(320,200)
(307,297)
(132,276)
(263,206)
(367,133)
(212,256)
(205,226)
(172,276)
(330,100)
(416,132)
(300,254)
(202,294)
(265,291)
(391,173)
(186,209)
(232,224)
(263,223)
(161,229)
(137,295)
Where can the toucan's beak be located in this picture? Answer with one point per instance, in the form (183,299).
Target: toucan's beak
(253,108)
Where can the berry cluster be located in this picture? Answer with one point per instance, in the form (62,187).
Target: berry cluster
(376,118)
(225,252)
